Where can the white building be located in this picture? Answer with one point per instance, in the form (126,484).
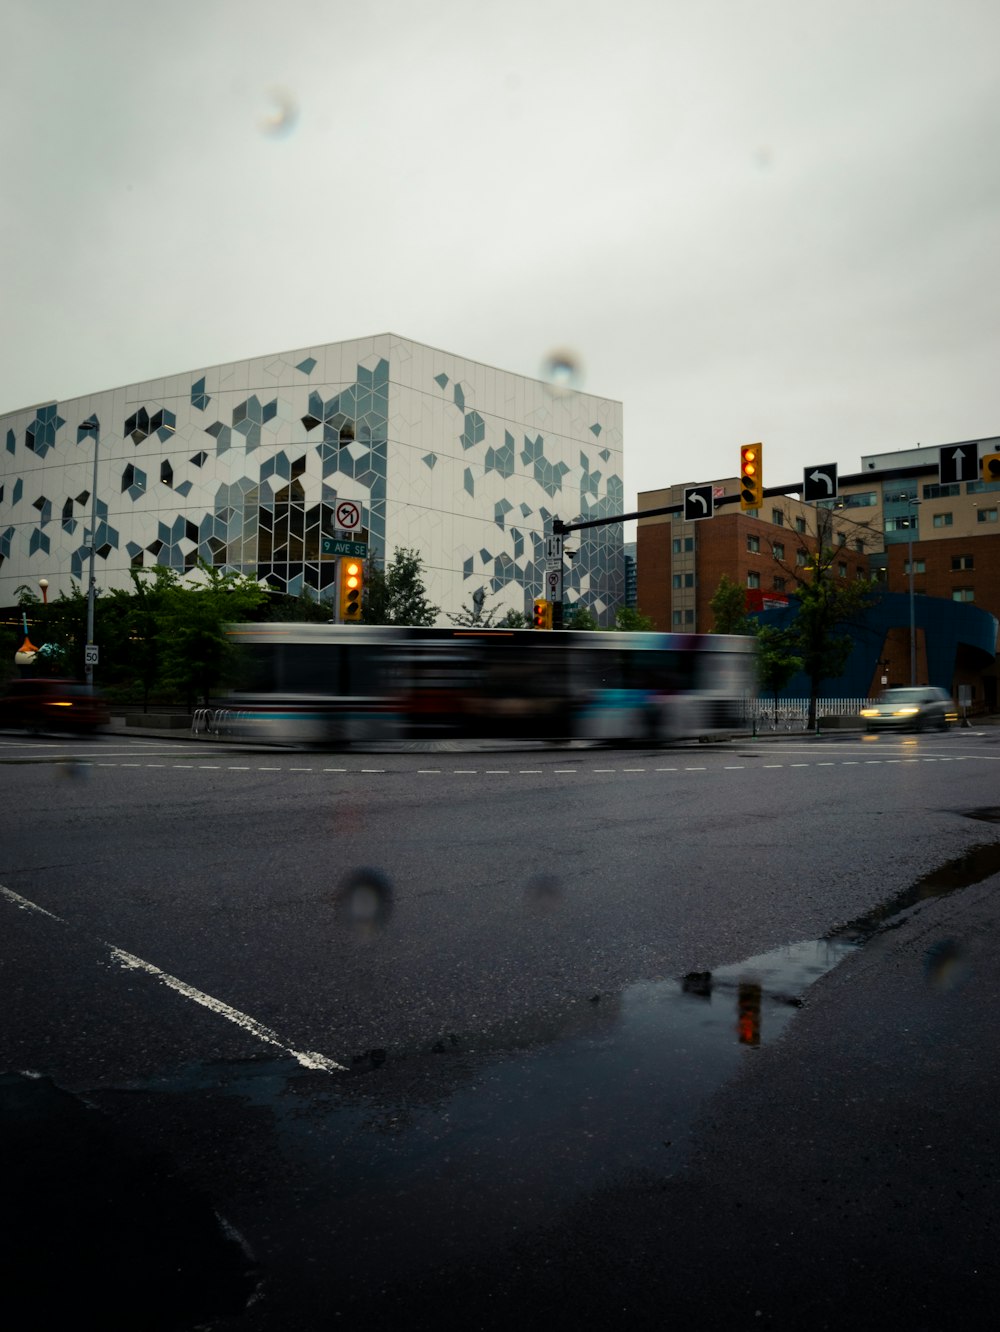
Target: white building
(243,465)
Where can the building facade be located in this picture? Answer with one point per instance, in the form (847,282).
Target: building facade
(243,466)
(894,521)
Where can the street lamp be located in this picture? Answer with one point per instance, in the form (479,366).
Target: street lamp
(570,555)
(93,426)
(911,523)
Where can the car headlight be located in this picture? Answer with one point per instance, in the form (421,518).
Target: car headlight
(869,712)
(906,712)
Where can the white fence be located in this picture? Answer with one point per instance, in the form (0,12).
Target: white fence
(792,713)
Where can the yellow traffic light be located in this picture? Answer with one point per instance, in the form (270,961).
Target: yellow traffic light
(989,465)
(543,613)
(751,476)
(351,587)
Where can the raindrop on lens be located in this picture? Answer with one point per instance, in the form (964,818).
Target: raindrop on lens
(945,967)
(364,902)
(562,370)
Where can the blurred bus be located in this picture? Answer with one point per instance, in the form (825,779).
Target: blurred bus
(334,684)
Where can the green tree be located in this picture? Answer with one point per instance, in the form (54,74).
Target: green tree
(482,616)
(825,608)
(729,608)
(776,660)
(629,620)
(396,594)
(303,609)
(581,618)
(196,653)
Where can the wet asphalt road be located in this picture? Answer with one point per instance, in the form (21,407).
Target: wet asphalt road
(472,1087)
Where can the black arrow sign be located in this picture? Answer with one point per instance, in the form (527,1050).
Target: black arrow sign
(699,502)
(820,483)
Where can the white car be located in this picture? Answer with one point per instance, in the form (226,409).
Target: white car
(910,710)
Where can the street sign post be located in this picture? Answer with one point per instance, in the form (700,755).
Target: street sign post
(334,546)
(819,483)
(958,462)
(553,549)
(91,655)
(348,516)
(699,502)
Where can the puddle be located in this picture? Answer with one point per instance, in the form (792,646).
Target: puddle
(434,1155)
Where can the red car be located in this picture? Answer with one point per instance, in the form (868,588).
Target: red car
(52,705)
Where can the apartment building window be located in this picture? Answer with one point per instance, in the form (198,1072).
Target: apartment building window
(676,619)
(689,617)
(753,579)
(919,566)
(907,522)
(962,562)
(682,580)
(842,569)
(986,516)
(800,557)
(800,525)
(963,594)
(779,584)
(753,544)
(682,544)
(778,517)
(942,492)
(778,550)
(980,487)
(944,519)
(859,546)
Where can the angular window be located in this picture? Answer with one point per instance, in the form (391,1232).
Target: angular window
(166,473)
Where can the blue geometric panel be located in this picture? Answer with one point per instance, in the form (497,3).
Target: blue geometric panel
(500,511)
(199,398)
(485,555)
(469,483)
(278,465)
(595,428)
(526,510)
(605,455)
(133,549)
(164,423)
(199,459)
(307,366)
(502,460)
(40,436)
(44,508)
(18,489)
(5,540)
(38,541)
(134,482)
(249,416)
(10,441)
(518,543)
(474,431)
(137,425)
(441,379)
(223,436)
(466,564)
(429,459)
(184,488)
(460,397)
(548,476)
(89,429)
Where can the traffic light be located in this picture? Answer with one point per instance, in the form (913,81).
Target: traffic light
(351,585)
(751,476)
(543,613)
(990,466)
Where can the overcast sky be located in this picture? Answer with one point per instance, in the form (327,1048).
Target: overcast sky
(772,220)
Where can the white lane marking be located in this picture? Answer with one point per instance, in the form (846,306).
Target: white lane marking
(498,772)
(464,772)
(25,905)
(604,770)
(363,769)
(210,767)
(156,765)
(426,772)
(307,1058)
(537,772)
(774,765)
(334,770)
(300,769)
(694,769)
(262,768)
(235,768)
(826,765)
(633,769)
(734,767)
(800,765)
(572,771)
